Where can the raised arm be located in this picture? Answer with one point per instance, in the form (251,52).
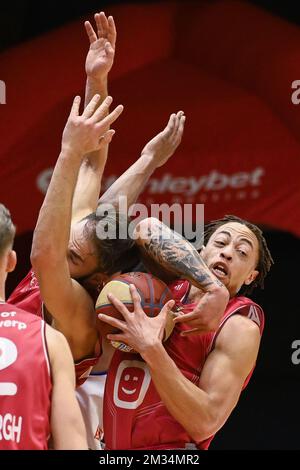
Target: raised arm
(64,297)
(99,62)
(67,426)
(201,409)
(167,253)
(155,154)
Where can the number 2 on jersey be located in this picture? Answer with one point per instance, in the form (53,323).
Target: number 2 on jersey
(8,355)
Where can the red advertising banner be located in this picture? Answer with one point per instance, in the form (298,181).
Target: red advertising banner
(228,65)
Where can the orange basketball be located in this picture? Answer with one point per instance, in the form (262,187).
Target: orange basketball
(154,294)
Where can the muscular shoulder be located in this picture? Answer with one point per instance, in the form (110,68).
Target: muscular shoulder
(239,339)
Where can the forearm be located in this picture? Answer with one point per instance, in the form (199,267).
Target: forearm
(91,170)
(175,254)
(94,87)
(51,235)
(189,405)
(131,183)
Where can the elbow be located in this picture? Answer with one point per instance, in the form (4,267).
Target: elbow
(205,426)
(36,257)
(42,257)
(38,260)
(200,433)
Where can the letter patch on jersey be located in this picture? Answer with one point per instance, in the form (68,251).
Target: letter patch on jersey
(131,384)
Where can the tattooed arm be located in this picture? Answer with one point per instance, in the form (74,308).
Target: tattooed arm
(167,254)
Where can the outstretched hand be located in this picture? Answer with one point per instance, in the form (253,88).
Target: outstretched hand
(164,144)
(101,54)
(88,132)
(137,330)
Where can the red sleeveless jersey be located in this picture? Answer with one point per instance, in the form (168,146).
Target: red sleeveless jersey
(134,415)
(25,384)
(27,296)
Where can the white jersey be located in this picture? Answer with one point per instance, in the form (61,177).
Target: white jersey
(90,397)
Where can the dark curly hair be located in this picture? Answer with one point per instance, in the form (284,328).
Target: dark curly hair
(114,253)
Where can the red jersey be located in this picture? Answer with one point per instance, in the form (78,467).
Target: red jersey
(28,297)
(134,415)
(25,384)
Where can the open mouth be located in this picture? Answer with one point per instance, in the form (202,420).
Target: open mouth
(220,270)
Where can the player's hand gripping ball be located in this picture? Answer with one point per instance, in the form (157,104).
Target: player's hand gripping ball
(153,292)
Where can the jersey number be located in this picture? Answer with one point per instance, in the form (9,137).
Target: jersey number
(8,355)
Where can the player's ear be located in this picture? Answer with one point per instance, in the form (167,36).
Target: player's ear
(11,261)
(97,280)
(252,276)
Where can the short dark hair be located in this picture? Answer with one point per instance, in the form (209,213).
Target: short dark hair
(7,229)
(114,254)
(265,259)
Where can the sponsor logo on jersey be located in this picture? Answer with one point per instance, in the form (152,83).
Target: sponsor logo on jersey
(131,384)
(253,315)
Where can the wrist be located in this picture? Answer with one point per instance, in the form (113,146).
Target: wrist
(152,353)
(68,150)
(219,289)
(150,160)
(99,84)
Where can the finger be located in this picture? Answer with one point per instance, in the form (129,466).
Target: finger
(181,127)
(171,123)
(112,31)
(112,117)
(103,110)
(117,337)
(177,314)
(121,325)
(75,106)
(135,297)
(177,122)
(98,24)
(169,129)
(90,32)
(89,110)
(106,138)
(187,317)
(109,49)
(104,21)
(104,24)
(119,306)
(167,308)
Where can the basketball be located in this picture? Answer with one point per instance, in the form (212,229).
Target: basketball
(154,294)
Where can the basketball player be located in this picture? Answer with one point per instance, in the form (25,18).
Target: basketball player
(81,266)
(55,259)
(37,379)
(178,394)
